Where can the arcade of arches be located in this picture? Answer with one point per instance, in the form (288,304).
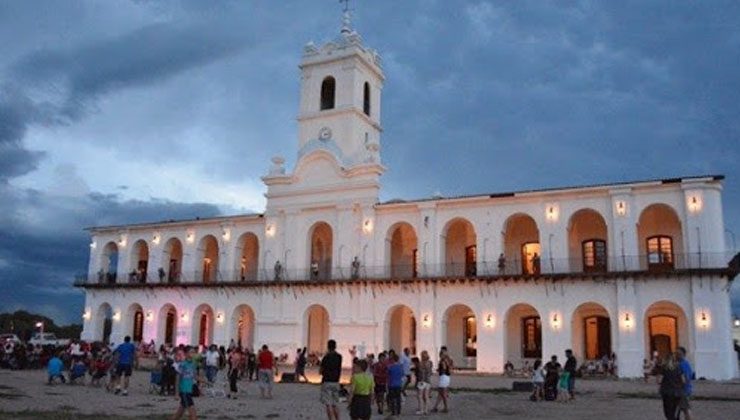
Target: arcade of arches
(592,329)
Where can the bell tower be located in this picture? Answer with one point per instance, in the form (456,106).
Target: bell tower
(341,85)
(338,128)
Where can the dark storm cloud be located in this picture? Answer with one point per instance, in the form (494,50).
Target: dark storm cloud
(479,97)
(42,245)
(141,57)
(16,113)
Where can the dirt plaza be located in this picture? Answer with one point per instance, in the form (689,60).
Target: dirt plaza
(24,395)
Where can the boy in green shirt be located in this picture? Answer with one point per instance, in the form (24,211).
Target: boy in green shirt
(186,378)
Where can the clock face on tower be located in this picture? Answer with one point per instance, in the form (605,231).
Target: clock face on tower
(325,133)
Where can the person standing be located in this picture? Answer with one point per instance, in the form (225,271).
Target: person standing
(300,365)
(330,370)
(380,376)
(688,373)
(361,395)
(552,373)
(251,364)
(186,379)
(266,372)
(405,360)
(396,377)
(444,368)
(538,381)
(424,382)
(212,362)
(235,362)
(126,358)
(671,386)
(571,367)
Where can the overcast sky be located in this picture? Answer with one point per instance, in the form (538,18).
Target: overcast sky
(121,112)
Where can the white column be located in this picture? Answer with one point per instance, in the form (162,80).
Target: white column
(630,343)
(711,328)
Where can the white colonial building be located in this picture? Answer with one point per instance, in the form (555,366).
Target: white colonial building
(626,268)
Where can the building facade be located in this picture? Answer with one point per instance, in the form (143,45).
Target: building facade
(630,268)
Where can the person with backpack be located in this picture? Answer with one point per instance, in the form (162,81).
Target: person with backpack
(552,374)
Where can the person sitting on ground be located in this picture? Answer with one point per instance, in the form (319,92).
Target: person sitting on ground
(54,369)
(509,368)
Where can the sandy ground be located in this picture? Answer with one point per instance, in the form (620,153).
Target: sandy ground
(23,394)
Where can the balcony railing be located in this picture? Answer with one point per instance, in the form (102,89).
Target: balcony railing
(664,263)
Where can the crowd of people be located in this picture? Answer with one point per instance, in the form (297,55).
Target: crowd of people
(382,382)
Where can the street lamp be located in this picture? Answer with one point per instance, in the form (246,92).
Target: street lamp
(40,326)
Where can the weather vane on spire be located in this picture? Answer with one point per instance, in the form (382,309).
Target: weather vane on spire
(346,21)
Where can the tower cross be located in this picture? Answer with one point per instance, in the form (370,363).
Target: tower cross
(346,5)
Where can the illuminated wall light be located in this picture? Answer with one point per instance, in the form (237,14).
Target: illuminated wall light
(694,204)
(117,316)
(87,315)
(552,212)
(627,322)
(226,235)
(184,317)
(93,245)
(489,321)
(156,238)
(149,316)
(270,230)
(220,317)
(122,241)
(737,322)
(555,321)
(426,321)
(190,238)
(621,208)
(367,226)
(703,319)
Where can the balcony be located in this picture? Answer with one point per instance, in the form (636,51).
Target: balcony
(612,267)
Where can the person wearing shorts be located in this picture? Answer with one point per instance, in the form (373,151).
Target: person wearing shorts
(186,378)
(380,376)
(444,368)
(330,371)
(126,358)
(424,383)
(265,373)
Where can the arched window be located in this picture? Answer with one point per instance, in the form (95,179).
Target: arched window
(660,252)
(328,90)
(593,252)
(366,99)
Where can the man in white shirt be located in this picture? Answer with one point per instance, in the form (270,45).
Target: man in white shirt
(212,362)
(405,360)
